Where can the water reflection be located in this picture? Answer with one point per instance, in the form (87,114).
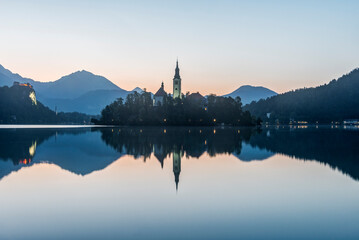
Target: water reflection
(83,151)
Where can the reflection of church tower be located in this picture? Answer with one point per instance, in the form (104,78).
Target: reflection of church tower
(176,165)
(177,83)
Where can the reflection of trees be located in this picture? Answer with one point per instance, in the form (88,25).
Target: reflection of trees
(19,145)
(335,147)
(192,142)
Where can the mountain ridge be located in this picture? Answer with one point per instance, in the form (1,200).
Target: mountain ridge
(249,93)
(83,91)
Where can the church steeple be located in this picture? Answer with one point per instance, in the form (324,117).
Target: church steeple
(177,93)
(177,75)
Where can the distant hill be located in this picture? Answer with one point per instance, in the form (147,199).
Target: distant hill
(137,89)
(74,85)
(91,102)
(250,93)
(7,78)
(18,105)
(335,101)
(81,91)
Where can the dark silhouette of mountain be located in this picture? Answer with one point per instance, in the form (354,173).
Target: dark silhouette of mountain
(335,101)
(250,93)
(81,91)
(76,84)
(18,105)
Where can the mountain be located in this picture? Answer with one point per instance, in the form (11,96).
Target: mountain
(80,91)
(18,105)
(335,101)
(250,93)
(137,89)
(91,102)
(7,78)
(75,85)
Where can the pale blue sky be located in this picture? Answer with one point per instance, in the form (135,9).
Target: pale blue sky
(221,45)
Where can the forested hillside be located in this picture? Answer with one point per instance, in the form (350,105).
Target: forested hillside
(335,101)
(18,105)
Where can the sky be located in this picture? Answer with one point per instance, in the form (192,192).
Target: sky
(221,45)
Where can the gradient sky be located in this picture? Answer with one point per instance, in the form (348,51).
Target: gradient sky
(221,45)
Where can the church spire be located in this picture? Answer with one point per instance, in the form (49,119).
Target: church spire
(177,75)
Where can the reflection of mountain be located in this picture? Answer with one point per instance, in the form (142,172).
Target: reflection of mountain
(250,153)
(335,147)
(85,150)
(81,154)
(77,150)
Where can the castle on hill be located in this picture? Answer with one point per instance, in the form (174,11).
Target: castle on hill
(159,96)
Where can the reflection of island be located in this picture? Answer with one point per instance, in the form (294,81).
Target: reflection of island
(174,141)
(85,150)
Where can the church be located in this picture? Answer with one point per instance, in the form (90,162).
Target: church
(177,92)
(160,95)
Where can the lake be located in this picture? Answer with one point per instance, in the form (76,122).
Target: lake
(179,183)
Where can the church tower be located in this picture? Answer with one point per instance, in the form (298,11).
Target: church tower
(177,83)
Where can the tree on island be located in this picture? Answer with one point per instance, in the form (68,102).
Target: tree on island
(138,109)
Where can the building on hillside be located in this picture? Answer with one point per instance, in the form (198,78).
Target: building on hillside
(22,84)
(158,98)
(27,89)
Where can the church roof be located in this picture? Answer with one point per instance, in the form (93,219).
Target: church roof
(161,92)
(195,96)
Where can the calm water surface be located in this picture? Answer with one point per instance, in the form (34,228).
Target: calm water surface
(179,183)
